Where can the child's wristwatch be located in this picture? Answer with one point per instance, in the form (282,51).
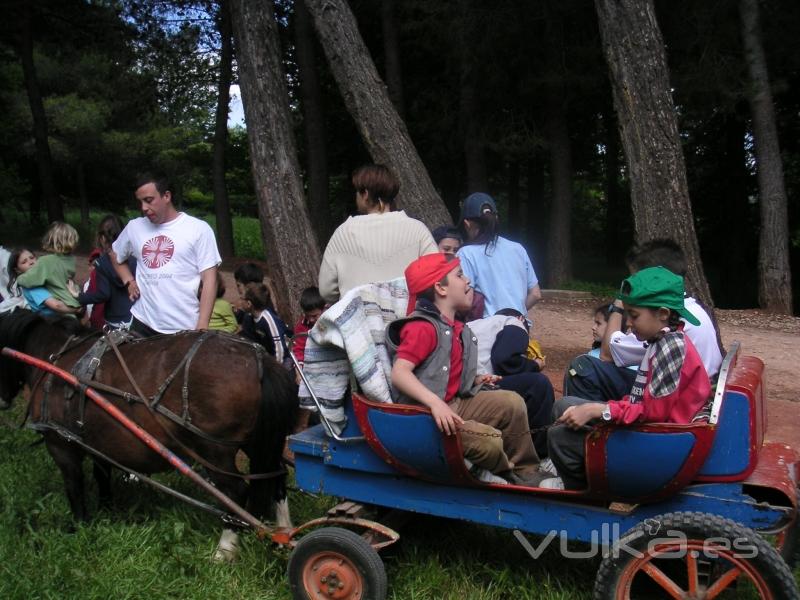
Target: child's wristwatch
(607,413)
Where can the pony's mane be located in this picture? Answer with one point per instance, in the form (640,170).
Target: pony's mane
(17,328)
(17,325)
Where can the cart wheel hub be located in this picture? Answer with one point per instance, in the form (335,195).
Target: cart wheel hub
(331,575)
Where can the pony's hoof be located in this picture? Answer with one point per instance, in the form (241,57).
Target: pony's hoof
(227,548)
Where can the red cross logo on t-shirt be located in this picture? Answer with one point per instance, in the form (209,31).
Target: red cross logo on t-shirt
(157,251)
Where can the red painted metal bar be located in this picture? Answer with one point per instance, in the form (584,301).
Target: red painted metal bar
(151,442)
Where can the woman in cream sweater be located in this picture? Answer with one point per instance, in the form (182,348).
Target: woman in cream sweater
(378,243)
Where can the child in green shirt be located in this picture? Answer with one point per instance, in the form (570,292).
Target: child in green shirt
(54,270)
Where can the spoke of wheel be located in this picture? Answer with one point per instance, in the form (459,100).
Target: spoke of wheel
(665,582)
(728,577)
(691,565)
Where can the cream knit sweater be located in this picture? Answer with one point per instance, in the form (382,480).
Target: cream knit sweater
(369,248)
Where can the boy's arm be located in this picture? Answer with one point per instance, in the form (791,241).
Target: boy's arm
(614,325)
(59,307)
(534,295)
(405,381)
(124,273)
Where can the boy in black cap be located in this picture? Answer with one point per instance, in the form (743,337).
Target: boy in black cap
(448,239)
(671,385)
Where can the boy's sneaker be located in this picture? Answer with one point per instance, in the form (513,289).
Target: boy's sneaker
(482,474)
(547,466)
(531,480)
(552,483)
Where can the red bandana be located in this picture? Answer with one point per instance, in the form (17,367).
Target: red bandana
(424,272)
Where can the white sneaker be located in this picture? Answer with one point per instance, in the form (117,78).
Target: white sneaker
(547,466)
(552,483)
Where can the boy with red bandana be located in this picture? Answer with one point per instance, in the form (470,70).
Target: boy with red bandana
(435,359)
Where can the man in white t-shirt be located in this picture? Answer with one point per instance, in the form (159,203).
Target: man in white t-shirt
(174,252)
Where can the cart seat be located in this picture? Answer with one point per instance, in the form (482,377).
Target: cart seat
(651,461)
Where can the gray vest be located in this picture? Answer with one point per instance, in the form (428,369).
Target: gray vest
(434,371)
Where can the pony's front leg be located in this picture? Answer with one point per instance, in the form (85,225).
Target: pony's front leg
(102,475)
(69,459)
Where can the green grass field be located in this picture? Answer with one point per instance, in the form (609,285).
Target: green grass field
(153,546)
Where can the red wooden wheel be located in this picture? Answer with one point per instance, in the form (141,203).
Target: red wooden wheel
(694,556)
(691,581)
(332,575)
(336,563)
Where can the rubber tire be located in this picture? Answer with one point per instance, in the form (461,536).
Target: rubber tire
(697,525)
(789,550)
(345,542)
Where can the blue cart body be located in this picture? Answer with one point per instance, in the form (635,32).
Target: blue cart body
(393,456)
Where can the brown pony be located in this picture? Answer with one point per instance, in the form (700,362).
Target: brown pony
(237,396)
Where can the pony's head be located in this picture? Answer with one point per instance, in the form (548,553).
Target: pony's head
(27,332)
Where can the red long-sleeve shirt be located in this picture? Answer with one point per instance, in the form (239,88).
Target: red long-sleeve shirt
(671,386)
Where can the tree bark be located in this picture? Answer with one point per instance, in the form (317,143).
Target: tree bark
(615,248)
(44,160)
(559,239)
(222,207)
(774,274)
(289,241)
(471,134)
(515,223)
(391,51)
(636,58)
(313,123)
(383,132)
(83,195)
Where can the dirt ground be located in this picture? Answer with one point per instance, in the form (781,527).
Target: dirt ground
(563,326)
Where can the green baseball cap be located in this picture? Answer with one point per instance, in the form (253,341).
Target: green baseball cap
(656,287)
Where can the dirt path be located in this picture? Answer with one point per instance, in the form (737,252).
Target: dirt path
(563,327)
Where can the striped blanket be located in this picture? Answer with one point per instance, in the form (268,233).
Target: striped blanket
(350,337)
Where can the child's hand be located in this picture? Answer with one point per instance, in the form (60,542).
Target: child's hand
(541,362)
(487,380)
(446,420)
(73,288)
(576,417)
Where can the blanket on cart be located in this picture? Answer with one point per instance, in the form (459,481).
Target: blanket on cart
(350,337)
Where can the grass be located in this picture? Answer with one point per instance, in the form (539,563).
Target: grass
(150,545)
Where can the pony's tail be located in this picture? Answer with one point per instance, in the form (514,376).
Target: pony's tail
(277,416)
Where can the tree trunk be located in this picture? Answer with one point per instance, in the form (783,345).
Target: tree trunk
(44,160)
(80,175)
(774,274)
(616,214)
(471,135)
(538,214)
(222,207)
(515,224)
(636,58)
(391,51)
(383,132)
(559,239)
(313,123)
(289,240)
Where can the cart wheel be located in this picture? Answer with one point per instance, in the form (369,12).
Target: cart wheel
(786,543)
(336,563)
(693,555)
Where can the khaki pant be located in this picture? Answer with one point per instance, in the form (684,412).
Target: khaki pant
(493,412)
